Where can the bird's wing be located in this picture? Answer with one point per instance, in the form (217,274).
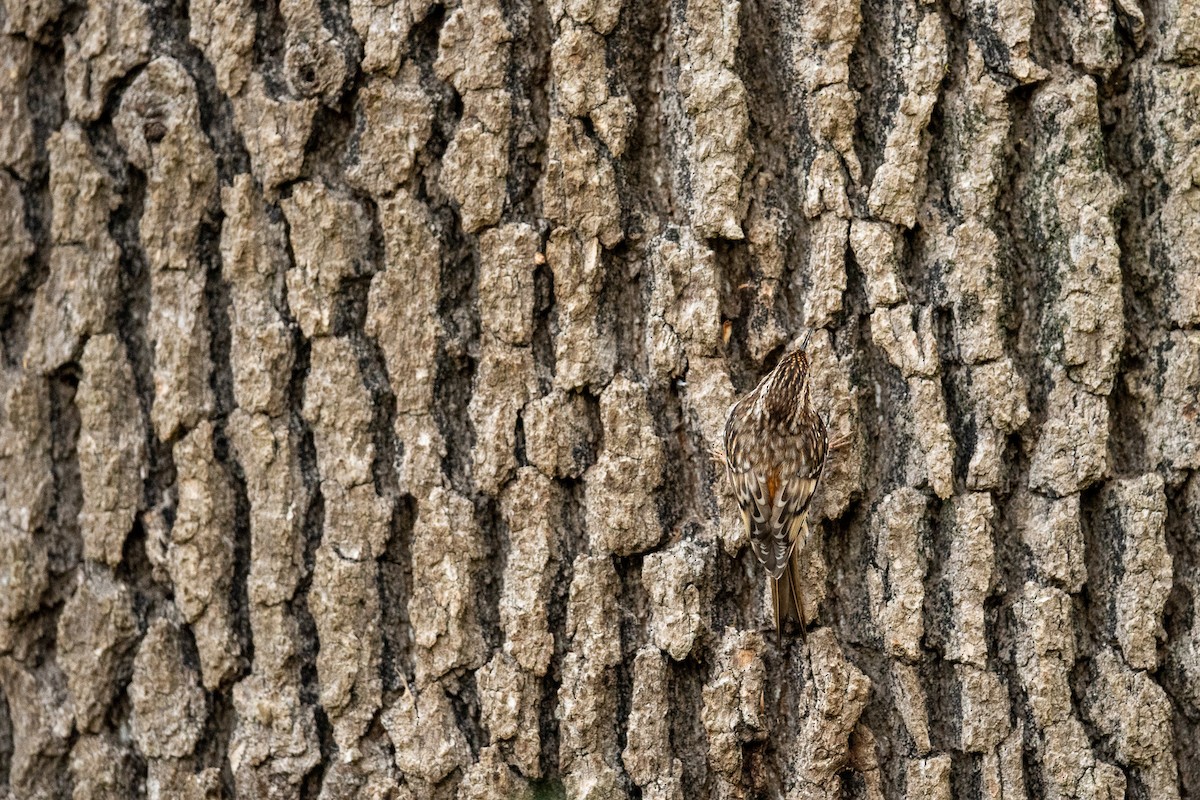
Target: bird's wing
(773,481)
(774,538)
(773,510)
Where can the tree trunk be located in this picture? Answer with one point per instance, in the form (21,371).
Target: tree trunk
(362,363)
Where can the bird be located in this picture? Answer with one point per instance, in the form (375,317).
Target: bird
(775,446)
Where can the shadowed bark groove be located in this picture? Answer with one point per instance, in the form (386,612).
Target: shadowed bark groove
(362,360)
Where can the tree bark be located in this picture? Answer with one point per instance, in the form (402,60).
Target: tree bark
(362,360)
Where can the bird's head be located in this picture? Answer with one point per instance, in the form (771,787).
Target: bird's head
(787,387)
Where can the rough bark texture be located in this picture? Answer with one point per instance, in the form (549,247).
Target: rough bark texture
(361,360)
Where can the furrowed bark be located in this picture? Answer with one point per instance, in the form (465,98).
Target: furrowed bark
(361,362)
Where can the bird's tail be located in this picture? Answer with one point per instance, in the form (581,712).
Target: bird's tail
(787,597)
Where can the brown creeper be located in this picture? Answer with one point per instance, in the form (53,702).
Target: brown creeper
(775,446)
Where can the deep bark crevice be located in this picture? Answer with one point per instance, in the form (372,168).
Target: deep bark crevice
(1022,189)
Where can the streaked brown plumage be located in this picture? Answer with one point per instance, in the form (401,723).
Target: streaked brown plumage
(775,445)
